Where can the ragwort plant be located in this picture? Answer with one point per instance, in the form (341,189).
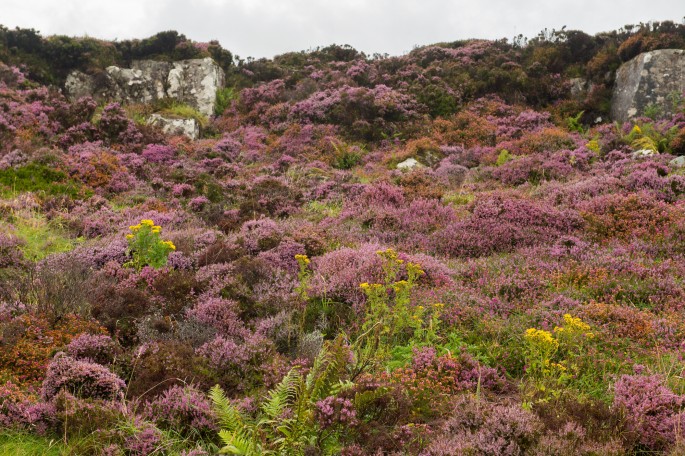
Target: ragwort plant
(557,359)
(146,247)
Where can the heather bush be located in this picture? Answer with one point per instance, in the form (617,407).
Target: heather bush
(97,348)
(624,216)
(653,411)
(81,378)
(30,340)
(500,224)
(184,410)
(160,364)
(10,253)
(483,428)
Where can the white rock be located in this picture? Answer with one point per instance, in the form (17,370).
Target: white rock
(643,153)
(647,80)
(176,126)
(678,162)
(409,163)
(194,82)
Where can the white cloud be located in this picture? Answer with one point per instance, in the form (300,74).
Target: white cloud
(263,28)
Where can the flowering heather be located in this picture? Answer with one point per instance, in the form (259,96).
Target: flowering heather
(83,378)
(96,348)
(333,411)
(10,255)
(653,411)
(182,409)
(158,153)
(515,293)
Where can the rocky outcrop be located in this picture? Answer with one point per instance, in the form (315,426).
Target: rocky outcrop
(650,79)
(194,82)
(176,126)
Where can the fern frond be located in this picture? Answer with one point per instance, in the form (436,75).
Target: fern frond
(327,369)
(229,416)
(281,395)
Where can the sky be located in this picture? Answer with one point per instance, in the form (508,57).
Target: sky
(264,28)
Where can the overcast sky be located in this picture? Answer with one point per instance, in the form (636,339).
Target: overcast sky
(264,28)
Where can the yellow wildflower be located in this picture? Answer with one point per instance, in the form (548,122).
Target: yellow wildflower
(129,236)
(147,222)
(575,323)
(542,338)
(364,286)
(302,258)
(134,227)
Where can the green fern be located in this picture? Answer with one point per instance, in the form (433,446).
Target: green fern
(276,432)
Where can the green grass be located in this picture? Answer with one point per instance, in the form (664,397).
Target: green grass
(17,444)
(41,237)
(38,178)
(319,210)
(184,111)
(224,97)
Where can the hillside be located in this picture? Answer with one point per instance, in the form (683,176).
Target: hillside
(453,251)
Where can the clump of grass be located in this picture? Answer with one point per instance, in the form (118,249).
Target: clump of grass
(41,237)
(173,108)
(36,177)
(320,210)
(19,444)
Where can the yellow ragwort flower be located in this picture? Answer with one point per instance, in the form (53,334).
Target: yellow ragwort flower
(541,337)
(302,258)
(129,236)
(575,323)
(147,222)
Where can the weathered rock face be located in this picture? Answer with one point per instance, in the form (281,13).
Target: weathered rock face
(176,126)
(194,82)
(650,78)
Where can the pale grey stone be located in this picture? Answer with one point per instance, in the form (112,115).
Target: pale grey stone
(409,163)
(651,78)
(176,126)
(194,82)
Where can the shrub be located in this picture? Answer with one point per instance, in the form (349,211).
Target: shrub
(483,428)
(97,348)
(81,378)
(653,411)
(183,409)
